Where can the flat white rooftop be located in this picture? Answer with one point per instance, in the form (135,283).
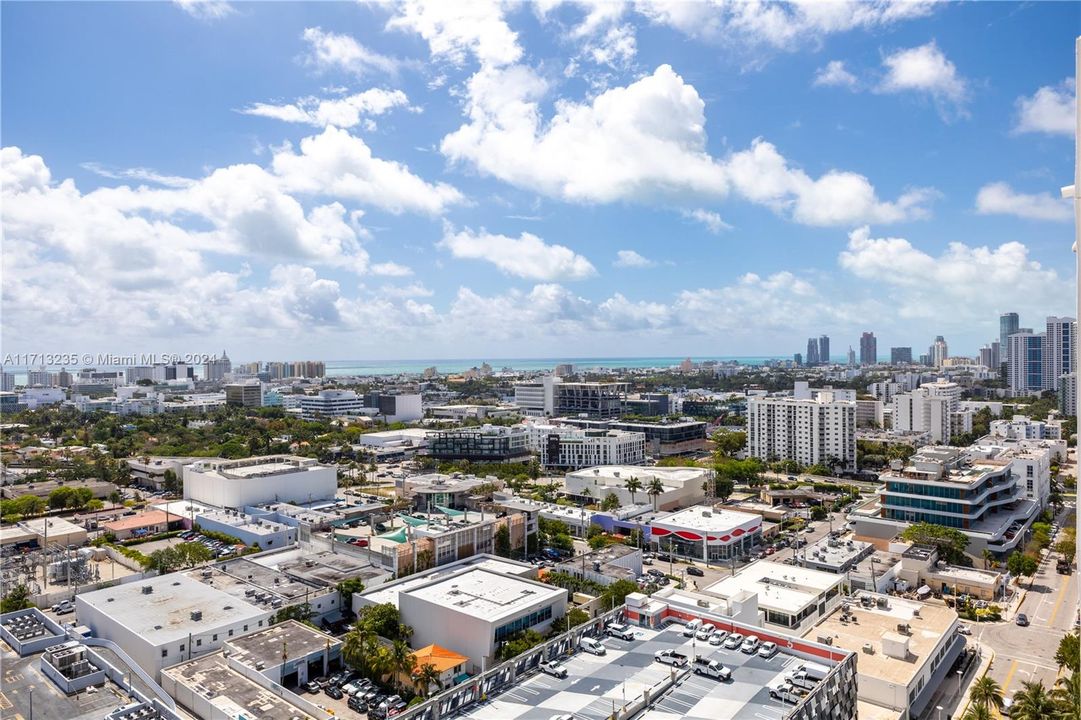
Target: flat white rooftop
(706,519)
(671,477)
(165,614)
(389,593)
(486,595)
(782,587)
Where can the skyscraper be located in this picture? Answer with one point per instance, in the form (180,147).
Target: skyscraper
(1060,345)
(824,349)
(939,351)
(987,356)
(812,352)
(217,368)
(998,355)
(851,356)
(1008,324)
(868,349)
(901,356)
(1024,361)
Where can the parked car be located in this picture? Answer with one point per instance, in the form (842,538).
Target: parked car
(770,551)
(312,687)
(750,645)
(357,705)
(767,650)
(963,629)
(554,669)
(619,630)
(786,693)
(705,631)
(64,607)
(734,641)
(1022,619)
(333,692)
(710,668)
(696,571)
(670,657)
(718,637)
(593,647)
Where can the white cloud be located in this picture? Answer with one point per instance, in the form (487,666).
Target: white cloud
(835,75)
(1001,199)
(206,9)
(925,69)
(963,281)
(341,165)
(631,259)
(139,174)
(713,221)
(453,29)
(1050,110)
(344,112)
(643,142)
(782,26)
(334,51)
(390,269)
(526,256)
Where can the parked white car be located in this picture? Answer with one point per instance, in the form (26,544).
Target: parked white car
(750,645)
(705,631)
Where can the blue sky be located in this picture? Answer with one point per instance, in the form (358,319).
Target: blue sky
(432,179)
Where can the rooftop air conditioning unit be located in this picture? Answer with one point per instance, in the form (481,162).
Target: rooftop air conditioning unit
(868,648)
(196,615)
(147,589)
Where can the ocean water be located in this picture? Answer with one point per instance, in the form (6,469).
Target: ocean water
(339,368)
(397,367)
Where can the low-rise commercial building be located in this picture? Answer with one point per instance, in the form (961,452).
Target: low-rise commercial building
(252,481)
(906,648)
(163,620)
(706,533)
(605,566)
(664,438)
(434,490)
(151,522)
(790,598)
(476,611)
(681,486)
(835,555)
(250,530)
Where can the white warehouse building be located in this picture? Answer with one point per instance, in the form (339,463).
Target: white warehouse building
(810,431)
(571,448)
(257,480)
(168,619)
(682,486)
(475,611)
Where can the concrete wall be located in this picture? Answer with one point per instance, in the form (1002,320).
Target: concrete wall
(212,489)
(54,634)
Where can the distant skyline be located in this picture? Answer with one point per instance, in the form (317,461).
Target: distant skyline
(432,179)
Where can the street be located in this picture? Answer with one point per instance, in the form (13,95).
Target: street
(1028,653)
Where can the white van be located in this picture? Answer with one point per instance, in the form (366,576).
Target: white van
(593,647)
(691,628)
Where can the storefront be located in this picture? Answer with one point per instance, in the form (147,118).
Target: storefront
(704,533)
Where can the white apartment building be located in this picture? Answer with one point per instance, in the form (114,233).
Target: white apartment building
(536,398)
(809,431)
(1025,362)
(333,403)
(561,446)
(885,391)
(1022,428)
(929,408)
(802,390)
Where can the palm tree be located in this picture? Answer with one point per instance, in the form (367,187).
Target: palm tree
(633,485)
(653,489)
(1032,703)
(977,712)
(986,693)
(988,556)
(1067,694)
(1069,652)
(424,677)
(401,662)
(360,647)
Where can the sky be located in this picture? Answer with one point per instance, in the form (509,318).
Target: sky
(437,180)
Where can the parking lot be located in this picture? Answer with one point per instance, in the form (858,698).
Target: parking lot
(598,685)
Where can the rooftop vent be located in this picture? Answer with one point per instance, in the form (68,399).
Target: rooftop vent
(196,615)
(147,589)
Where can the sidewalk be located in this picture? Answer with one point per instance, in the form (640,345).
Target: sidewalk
(987,656)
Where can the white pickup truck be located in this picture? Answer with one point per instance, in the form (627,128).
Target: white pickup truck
(787,693)
(670,657)
(554,669)
(710,668)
